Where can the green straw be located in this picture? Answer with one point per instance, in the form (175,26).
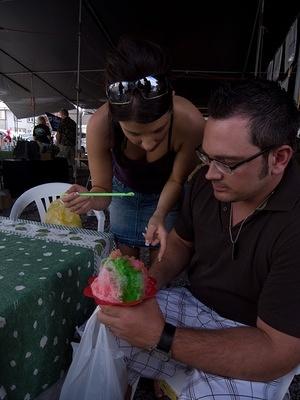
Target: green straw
(105,194)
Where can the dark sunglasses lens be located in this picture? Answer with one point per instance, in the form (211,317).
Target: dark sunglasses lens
(119,92)
(152,87)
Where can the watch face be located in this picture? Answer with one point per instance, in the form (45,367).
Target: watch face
(160,355)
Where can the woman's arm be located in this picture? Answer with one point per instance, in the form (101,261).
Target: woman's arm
(188,132)
(177,256)
(100,165)
(184,164)
(99,155)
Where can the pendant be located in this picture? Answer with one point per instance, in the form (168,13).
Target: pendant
(234,251)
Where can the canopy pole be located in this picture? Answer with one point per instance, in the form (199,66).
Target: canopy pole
(32,99)
(78,110)
(251,40)
(257,70)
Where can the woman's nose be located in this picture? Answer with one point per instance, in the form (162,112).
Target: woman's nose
(147,146)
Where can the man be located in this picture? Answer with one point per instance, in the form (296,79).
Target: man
(66,137)
(236,331)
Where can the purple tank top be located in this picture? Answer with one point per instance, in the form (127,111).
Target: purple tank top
(140,175)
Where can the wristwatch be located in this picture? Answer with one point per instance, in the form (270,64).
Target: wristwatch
(162,350)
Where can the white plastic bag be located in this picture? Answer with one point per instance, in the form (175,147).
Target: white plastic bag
(98,371)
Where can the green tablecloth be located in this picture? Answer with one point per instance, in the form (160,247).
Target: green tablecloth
(42,276)
(5,154)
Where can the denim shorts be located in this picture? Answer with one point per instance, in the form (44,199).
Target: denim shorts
(130,215)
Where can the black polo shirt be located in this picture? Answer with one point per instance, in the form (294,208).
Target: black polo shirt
(264,279)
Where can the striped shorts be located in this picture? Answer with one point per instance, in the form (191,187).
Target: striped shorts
(182,309)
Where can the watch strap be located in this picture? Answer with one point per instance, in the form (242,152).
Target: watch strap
(166,338)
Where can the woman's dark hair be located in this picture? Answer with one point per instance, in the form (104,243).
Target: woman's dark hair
(272,113)
(131,60)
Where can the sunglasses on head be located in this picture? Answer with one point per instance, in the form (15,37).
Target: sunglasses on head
(150,88)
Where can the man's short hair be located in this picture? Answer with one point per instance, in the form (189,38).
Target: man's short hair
(65,112)
(272,113)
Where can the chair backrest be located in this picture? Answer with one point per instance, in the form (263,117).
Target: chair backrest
(43,195)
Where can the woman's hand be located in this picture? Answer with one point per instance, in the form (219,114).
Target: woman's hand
(156,233)
(76,203)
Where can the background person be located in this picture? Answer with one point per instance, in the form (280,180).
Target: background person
(66,137)
(8,138)
(41,132)
(237,329)
(141,140)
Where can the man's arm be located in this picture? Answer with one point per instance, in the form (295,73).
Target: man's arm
(177,256)
(58,137)
(247,353)
(48,133)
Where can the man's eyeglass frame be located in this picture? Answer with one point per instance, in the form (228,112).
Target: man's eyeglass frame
(222,166)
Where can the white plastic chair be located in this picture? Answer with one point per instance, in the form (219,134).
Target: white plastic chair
(43,195)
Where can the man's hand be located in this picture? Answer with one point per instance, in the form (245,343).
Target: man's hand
(139,325)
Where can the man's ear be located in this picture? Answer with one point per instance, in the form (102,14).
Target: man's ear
(280,158)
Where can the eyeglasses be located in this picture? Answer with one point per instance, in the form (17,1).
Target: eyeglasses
(223,167)
(150,87)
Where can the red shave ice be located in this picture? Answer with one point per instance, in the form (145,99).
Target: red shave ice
(122,280)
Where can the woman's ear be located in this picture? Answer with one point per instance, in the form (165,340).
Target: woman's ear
(173,92)
(280,158)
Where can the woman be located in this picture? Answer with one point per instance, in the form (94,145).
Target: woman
(141,140)
(41,132)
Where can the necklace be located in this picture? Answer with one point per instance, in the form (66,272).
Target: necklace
(234,249)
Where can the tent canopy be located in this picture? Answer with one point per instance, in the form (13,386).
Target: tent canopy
(39,46)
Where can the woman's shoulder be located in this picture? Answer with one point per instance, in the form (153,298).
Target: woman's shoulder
(184,105)
(100,116)
(186,112)
(98,127)
(187,119)
(99,121)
